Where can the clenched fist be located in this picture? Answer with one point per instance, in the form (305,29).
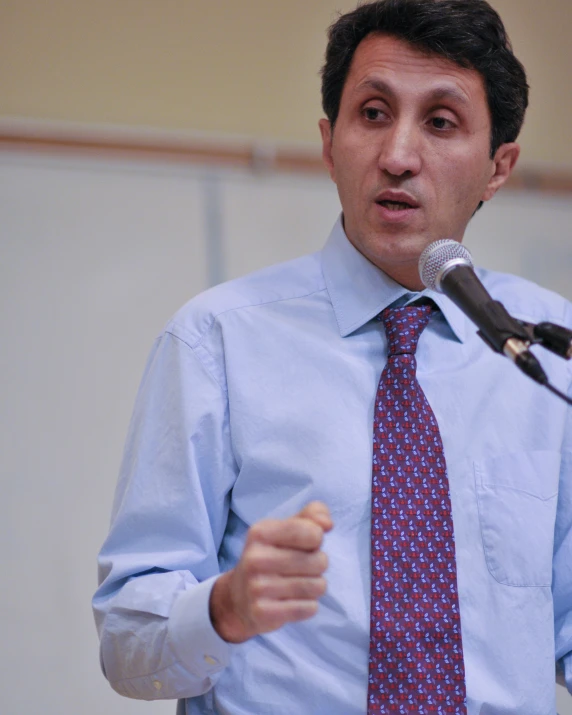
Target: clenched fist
(278,579)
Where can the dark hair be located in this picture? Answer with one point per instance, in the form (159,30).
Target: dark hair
(467,32)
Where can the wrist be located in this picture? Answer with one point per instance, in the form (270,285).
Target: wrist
(226,622)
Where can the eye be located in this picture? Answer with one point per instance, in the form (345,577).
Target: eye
(441,123)
(373,114)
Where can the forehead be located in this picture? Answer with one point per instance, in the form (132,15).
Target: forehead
(401,66)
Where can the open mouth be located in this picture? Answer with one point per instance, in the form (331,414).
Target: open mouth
(395,205)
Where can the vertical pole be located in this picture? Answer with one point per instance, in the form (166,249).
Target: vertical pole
(213,219)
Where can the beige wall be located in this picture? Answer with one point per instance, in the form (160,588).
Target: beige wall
(246,67)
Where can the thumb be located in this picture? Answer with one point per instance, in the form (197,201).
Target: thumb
(319,513)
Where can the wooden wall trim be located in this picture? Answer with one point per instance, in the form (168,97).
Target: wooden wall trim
(261,157)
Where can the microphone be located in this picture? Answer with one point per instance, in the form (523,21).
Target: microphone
(447,267)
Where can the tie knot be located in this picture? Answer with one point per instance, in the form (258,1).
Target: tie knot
(403,326)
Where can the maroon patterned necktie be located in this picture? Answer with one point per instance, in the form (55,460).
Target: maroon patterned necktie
(415,652)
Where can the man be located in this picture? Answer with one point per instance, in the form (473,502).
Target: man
(249,568)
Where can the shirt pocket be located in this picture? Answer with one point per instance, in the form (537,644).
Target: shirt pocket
(516,496)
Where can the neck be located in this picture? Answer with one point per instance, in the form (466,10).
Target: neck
(406,276)
(405,272)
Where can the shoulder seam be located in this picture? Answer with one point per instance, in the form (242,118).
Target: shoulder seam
(207,329)
(195,350)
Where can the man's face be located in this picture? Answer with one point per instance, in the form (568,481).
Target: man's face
(410,153)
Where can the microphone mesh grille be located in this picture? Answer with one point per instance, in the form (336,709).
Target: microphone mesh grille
(436,256)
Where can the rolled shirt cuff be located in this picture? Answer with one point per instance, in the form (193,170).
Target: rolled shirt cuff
(192,636)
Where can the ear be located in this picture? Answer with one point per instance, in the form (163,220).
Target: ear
(327,139)
(503,163)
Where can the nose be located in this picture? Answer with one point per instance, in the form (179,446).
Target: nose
(400,153)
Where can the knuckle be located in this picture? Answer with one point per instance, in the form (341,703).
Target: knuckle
(306,588)
(264,531)
(322,561)
(314,535)
(257,587)
(253,562)
(257,611)
(301,533)
(257,531)
(316,588)
(303,589)
(322,586)
(311,508)
(304,610)
(308,529)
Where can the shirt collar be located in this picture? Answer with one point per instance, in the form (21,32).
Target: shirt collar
(359,291)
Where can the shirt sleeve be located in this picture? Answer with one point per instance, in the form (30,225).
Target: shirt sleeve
(159,562)
(562,562)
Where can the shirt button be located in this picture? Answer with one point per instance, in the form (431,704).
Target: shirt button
(158,684)
(210,660)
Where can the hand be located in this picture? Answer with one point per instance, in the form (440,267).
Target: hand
(278,579)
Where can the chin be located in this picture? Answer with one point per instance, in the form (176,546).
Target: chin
(397,248)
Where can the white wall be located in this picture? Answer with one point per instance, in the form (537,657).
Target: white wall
(528,234)
(94,257)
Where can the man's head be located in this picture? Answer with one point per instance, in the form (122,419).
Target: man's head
(467,32)
(423,97)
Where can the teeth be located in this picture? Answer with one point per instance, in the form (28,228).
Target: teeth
(395,205)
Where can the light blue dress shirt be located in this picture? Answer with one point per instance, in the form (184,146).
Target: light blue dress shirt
(257,399)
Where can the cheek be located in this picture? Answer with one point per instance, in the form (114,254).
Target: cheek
(354,170)
(345,172)
(466,183)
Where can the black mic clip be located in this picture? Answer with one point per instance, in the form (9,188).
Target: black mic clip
(498,326)
(506,335)
(550,336)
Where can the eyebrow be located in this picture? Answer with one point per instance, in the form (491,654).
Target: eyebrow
(436,94)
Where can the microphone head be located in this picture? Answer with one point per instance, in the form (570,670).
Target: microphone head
(438,258)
